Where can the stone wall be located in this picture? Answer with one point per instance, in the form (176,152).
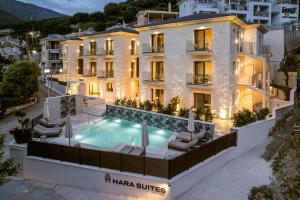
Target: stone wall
(61,106)
(172,123)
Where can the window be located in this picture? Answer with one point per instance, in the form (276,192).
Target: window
(93,48)
(109,87)
(157,94)
(94,88)
(93,69)
(134,68)
(109,69)
(202,39)
(80,66)
(202,101)
(157,70)
(133,47)
(202,72)
(80,50)
(109,47)
(157,43)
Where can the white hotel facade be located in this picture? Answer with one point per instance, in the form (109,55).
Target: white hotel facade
(214,62)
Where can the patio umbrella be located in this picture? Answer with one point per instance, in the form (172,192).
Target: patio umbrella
(69,129)
(191,126)
(145,137)
(46,112)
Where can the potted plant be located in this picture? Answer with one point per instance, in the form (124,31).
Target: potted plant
(24,134)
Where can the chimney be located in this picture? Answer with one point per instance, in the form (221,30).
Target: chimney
(170,7)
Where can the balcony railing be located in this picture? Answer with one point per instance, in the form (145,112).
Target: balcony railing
(153,77)
(192,47)
(105,52)
(198,79)
(89,53)
(250,80)
(90,74)
(261,14)
(147,48)
(250,48)
(106,74)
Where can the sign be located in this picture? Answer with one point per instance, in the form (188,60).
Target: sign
(136,185)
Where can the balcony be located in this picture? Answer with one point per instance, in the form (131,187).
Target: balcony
(157,50)
(105,53)
(251,48)
(89,53)
(251,80)
(90,74)
(153,78)
(106,74)
(196,49)
(198,80)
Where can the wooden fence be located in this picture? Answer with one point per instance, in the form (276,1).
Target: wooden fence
(164,168)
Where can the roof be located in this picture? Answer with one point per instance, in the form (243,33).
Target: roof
(156,11)
(188,18)
(117,28)
(54,37)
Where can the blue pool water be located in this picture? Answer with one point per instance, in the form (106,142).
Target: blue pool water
(110,131)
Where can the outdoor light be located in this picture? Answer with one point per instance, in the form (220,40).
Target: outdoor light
(34,51)
(60,70)
(47,71)
(236,41)
(201,27)
(156,32)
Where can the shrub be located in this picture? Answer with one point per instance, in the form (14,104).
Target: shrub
(209,116)
(129,103)
(174,101)
(148,105)
(243,118)
(134,104)
(198,114)
(123,101)
(183,112)
(168,110)
(7,167)
(262,114)
(142,105)
(117,102)
(159,106)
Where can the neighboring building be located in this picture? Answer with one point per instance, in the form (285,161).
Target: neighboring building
(50,56)
(255,11)
(103,64)
(148,17)
(11,48)
(218,63)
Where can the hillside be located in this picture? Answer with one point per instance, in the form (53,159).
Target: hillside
(27,12)
(6,18)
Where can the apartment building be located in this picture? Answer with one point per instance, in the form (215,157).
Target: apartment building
(11,48)
(214,62)
(50,56)
(103,64)
(255,11)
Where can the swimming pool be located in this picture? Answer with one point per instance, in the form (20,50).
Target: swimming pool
(110,131)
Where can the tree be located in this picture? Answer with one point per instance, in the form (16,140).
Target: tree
(1,73)
(243,118)
(288,64)
(20,82)
(7,167)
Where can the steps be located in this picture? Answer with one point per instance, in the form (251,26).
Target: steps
(99,112)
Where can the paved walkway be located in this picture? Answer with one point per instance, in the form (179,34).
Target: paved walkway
(232,182)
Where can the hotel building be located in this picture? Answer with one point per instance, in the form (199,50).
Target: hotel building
(269,12)
(103,64)
(214,62)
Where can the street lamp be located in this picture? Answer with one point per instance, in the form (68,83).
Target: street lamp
(47,72)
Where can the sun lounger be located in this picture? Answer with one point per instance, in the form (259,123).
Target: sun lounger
(126,149)
(48,129)
(181,146)
(45,122)
(137,151)
(40,131)
(188,137)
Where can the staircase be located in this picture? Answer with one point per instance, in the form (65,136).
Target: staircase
(98,112)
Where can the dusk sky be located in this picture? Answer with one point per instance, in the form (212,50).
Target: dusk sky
(70,7)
